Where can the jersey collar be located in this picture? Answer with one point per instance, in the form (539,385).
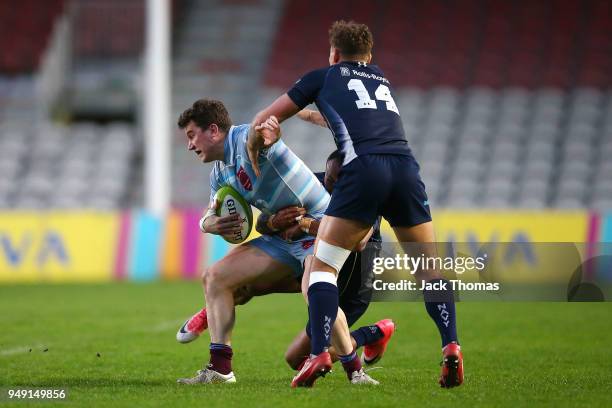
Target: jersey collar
(229,156)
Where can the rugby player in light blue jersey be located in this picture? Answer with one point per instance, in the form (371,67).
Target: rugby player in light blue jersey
(285,181)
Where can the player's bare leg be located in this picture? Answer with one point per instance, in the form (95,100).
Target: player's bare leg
(240,267)
(441,304)
(340,236)
(193,327)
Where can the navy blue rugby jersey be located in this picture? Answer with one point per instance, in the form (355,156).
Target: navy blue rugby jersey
(357,102)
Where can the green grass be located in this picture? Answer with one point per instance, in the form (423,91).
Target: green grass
(516,354)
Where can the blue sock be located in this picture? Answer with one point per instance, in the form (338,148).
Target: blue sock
(367,335)
(322,311)
(440,305)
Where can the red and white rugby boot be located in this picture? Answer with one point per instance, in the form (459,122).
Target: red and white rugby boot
(452,366)
(313,368)
(193,327)
(373,352)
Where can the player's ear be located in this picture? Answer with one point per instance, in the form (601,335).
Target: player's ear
(334,55)
(369,58)
(215,132)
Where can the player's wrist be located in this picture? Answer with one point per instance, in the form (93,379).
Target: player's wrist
(270,224)
(308,225)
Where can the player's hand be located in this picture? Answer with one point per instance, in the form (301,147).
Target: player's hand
(292,233)
(285,218)
(228,225)
(309,225)
(265,135)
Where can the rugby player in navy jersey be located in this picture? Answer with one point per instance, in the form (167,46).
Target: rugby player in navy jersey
(379,177)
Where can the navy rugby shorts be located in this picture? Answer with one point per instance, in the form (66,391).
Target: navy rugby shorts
(381,184)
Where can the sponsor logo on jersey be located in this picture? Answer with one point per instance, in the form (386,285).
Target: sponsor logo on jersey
(370,76)
(344,71)
(244,179)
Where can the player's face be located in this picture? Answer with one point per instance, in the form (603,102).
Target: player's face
(332,170)
(204,143)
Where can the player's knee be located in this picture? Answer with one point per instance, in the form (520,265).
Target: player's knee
(203,277)
(331,255)
(214,277)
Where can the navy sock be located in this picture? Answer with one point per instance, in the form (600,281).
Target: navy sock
(367,335)
(322,311)
(440,305)
(220,358)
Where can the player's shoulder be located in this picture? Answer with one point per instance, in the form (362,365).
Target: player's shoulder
(239,133)
(316,75)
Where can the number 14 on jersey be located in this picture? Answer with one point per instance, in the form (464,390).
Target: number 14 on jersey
(365,102)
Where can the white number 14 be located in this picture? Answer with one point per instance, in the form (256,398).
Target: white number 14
(364,102)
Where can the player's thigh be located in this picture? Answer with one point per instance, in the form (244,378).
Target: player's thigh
(342,232)
(284,284)
(247,265)
(339,232)
(417,233)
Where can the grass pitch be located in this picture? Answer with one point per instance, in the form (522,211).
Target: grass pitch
(114,345)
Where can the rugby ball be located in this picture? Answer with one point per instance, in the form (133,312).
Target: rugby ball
(230,202)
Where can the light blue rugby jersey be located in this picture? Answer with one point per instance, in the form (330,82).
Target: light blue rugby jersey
(285,180)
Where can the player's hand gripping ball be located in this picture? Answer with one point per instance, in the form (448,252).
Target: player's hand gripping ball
(230,202)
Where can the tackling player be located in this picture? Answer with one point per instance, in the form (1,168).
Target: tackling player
(379,177)
(284,181)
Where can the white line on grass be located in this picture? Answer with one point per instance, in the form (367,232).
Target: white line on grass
(21,349)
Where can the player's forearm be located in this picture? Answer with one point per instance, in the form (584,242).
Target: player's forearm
(283,108)
(263,225)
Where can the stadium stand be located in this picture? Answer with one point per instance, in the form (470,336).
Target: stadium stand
(47,165)
(221,51)
(506,104)
(24,30)
(501,109)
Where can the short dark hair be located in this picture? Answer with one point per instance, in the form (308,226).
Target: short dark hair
(351,38)
(336,155)
(205,112)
